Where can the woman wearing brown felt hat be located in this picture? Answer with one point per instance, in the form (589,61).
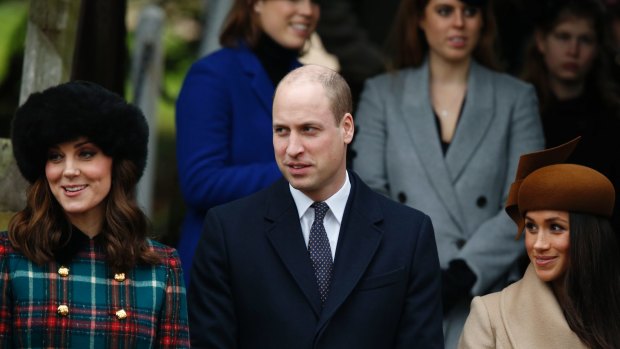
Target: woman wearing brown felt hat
(567,297)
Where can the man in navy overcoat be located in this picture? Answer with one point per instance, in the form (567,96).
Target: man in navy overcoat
(271,272)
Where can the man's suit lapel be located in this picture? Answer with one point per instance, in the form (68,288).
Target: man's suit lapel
(474,122)
(418,117)
(284,233)
(260,82)
(357,244)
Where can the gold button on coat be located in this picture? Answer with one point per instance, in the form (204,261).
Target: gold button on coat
(63,271)
(63,310)
(120,277)
(121,314)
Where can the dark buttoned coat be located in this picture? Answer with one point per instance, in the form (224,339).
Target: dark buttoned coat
(253,286)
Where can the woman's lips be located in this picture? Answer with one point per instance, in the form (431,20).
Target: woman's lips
(73,190)
(544,260)
(457,41)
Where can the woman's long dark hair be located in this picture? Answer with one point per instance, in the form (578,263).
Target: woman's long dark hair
(408,44)
(42,227)
(598,80)
(592,282)
(241,23)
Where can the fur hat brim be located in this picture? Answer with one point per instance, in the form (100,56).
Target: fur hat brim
(72,110)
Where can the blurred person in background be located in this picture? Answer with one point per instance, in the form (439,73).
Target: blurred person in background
(443,134)
(223,113)
(568,63)
(357,31)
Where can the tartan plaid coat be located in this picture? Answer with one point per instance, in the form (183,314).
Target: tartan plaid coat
(82,305)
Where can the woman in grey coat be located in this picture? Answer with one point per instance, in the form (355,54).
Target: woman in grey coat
(443,133)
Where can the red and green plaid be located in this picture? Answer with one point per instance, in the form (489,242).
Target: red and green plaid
(153,298)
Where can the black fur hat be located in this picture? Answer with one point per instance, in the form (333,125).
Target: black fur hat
(72,110)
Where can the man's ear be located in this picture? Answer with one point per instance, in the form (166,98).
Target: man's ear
(348,127)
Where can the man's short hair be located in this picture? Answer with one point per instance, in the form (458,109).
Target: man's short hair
(335,86)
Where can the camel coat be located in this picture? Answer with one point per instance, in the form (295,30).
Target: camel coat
(524,315)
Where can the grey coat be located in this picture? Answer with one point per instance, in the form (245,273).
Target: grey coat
(399,154)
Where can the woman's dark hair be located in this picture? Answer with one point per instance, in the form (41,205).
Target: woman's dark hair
(592,282)
(42,227)
(241,24)
(408,41)
(597,80)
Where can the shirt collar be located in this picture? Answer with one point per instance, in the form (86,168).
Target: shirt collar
(337,202)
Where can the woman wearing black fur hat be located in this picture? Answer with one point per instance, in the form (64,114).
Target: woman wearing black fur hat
(568,295)
(76,266)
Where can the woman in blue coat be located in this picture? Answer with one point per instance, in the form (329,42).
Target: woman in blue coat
(223,119)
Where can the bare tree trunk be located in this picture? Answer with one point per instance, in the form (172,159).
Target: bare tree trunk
(48,58)
(101,52)
(12,185)
(146,75)
(215,12)
(50,43)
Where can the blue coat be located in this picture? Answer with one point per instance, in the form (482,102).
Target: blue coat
(253,285)
(224,136)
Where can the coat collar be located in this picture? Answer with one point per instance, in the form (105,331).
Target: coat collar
(284,233)
(74,241)
(358,241)
(475,119)
(533,317)
(418,118)
(261,84)
(357,244)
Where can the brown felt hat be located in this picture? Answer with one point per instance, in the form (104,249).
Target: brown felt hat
(543,182)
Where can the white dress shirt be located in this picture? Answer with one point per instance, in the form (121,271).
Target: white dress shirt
(333,218)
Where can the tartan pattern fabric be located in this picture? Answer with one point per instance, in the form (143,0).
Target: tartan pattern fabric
(153,297)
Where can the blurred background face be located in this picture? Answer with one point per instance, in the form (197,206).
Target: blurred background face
(288,22)
(80,177)
(569,50)
(452,29)
(547,241)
